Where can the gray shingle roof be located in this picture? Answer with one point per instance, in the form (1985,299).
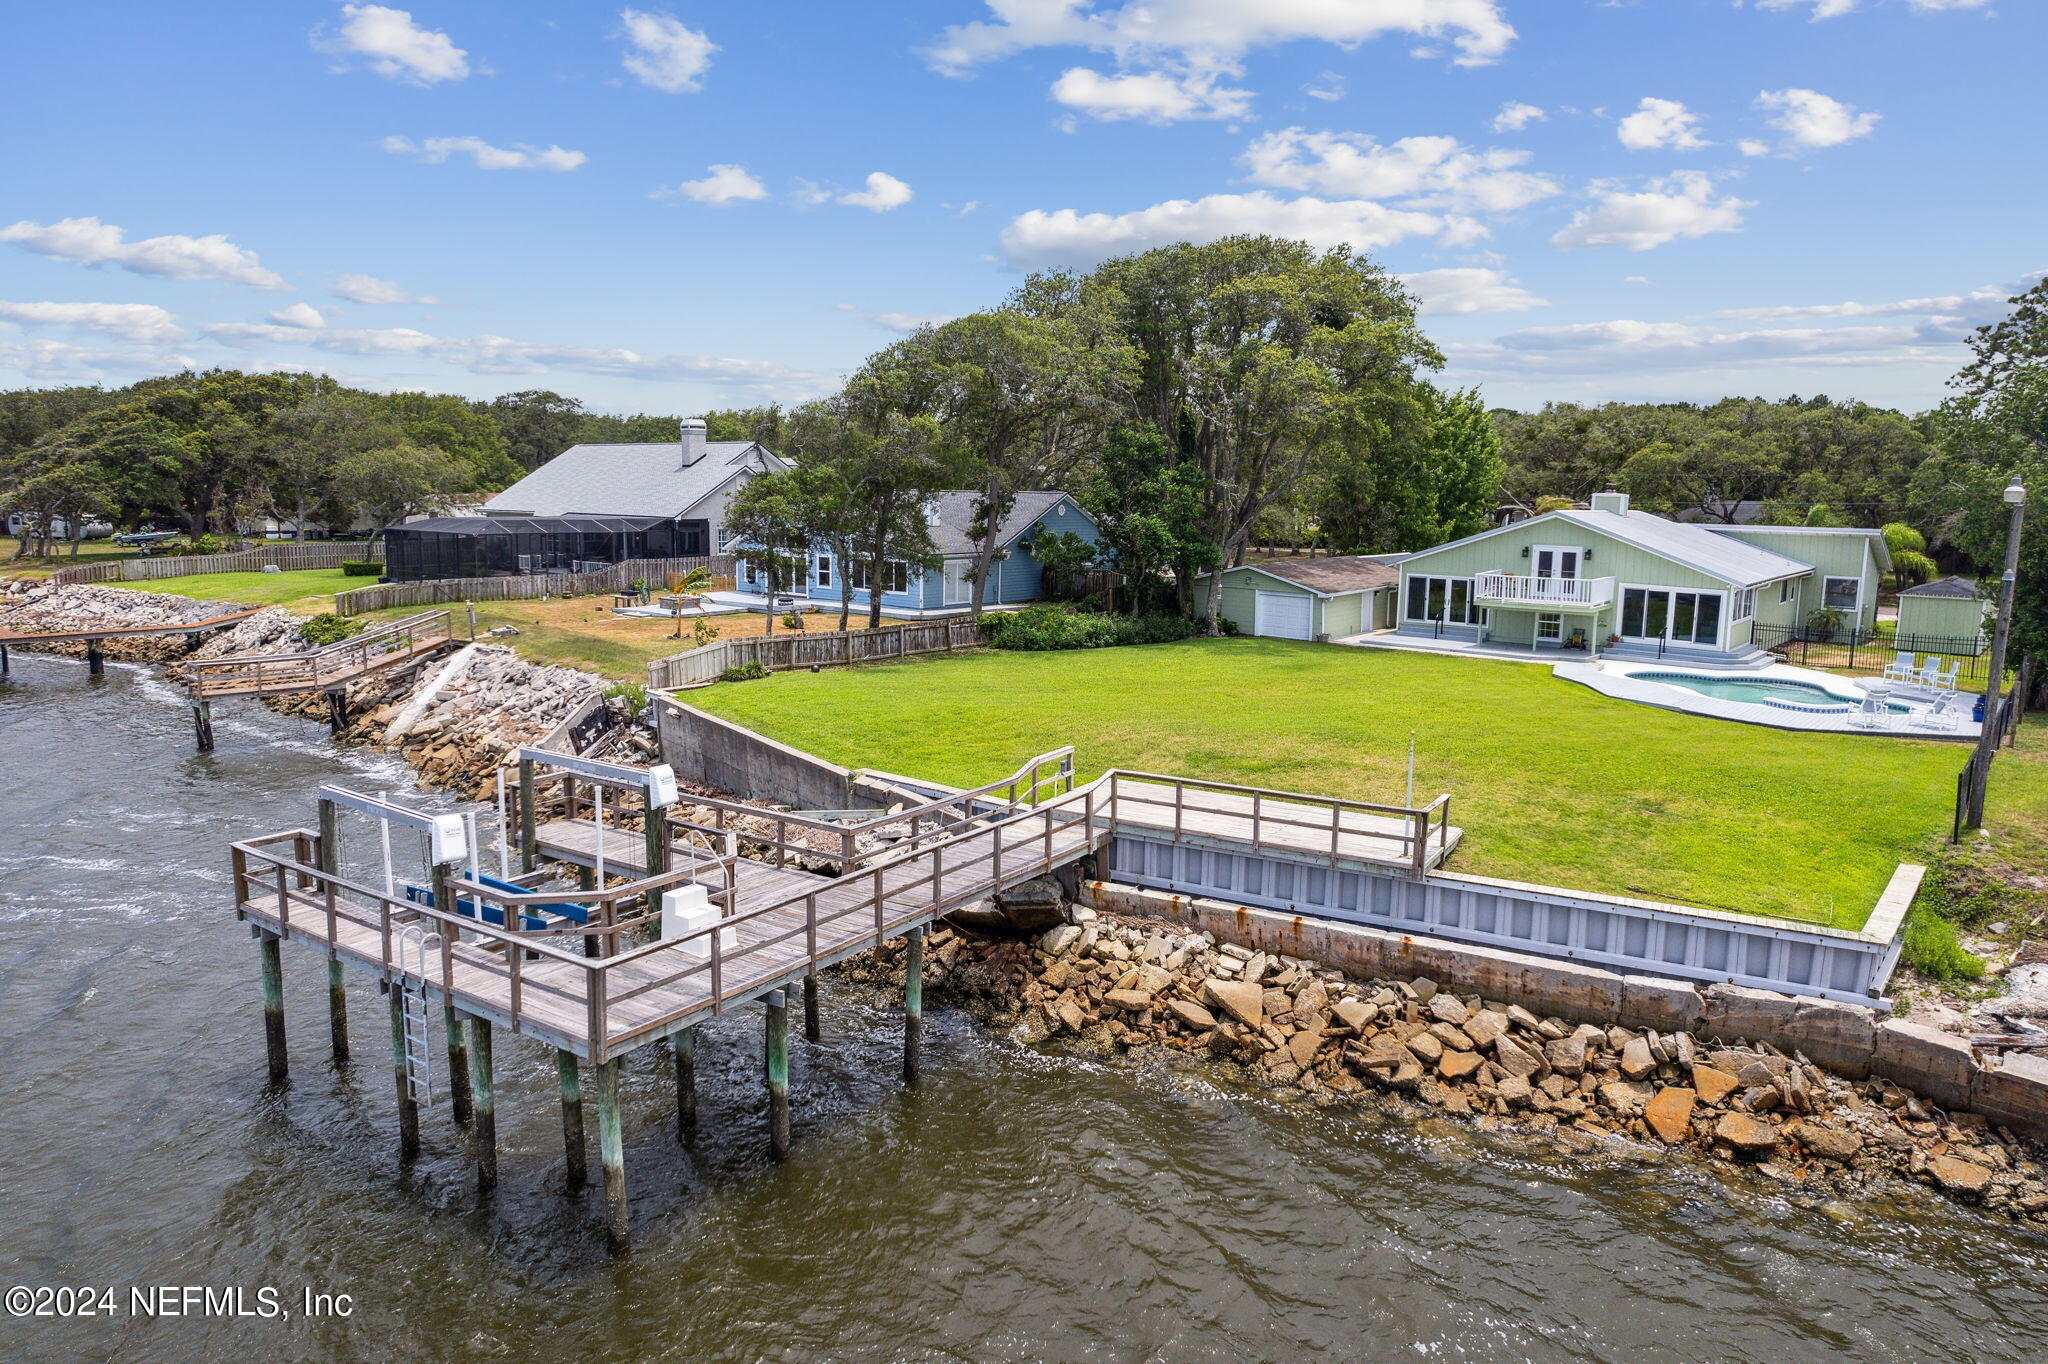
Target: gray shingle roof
(1346,573)
(644,479)
(1951,586)
(1720,556)
(953,518)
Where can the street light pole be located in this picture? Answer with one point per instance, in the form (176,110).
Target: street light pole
(1987,739)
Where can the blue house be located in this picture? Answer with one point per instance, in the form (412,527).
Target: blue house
(1015,577)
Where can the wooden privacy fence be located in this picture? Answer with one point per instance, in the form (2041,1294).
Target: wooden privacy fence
(317,554)
(441,591)
(803,649)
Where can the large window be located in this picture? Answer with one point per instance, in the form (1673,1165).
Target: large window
(895,575)
(1842,594)
(1649,613)
(1445,599)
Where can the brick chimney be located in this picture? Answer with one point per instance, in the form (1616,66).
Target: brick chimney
(692,440)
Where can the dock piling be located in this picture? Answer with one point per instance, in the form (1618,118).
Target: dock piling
(572,1119)
(337,995)
(778,1075)
(611,1151)
(202,725)
(686,1085)
(4,666)
(913,1000)
(337,712)
(273,1004)
(408,1107)
(483,1117)
(461,1104)
(529,836)
(813,1029)
(95,661)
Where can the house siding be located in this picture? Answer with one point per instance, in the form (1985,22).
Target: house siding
(1940,618)
(1503,554)
(1239,602)
(1832,556)
(1344,615)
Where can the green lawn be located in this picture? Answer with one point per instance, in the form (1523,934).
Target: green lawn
(307,590)
(1552,782)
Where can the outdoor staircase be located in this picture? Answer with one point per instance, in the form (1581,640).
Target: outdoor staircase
(1748,658)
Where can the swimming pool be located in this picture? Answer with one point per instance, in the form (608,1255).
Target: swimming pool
(1768,691)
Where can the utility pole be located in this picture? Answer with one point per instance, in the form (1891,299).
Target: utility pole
(1987,740)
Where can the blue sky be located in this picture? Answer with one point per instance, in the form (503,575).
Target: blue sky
(711,204)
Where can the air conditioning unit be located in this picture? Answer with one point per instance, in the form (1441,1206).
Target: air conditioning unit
(687,910)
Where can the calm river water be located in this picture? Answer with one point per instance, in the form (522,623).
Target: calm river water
(1014,1206)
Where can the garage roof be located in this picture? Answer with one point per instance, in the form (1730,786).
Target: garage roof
(1333,577)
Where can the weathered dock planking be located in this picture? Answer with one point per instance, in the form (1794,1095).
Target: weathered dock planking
(329,669)
(94,636)
(596,973)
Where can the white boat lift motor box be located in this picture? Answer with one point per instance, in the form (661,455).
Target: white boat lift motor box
(688,909)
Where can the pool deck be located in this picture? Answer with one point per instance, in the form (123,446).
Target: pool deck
(1623,682)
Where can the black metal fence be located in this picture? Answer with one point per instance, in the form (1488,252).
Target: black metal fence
(1813,647)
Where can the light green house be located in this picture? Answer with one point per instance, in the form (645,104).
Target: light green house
(1945,616)
(1613,579)
(1308,598)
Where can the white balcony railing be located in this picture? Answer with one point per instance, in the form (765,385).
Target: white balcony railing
(1519,589)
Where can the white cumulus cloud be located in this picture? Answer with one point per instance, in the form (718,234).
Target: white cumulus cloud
(370,289)
(92,242)
(498,355)
(1154,96)
(1067,237)
(299,315)
(1328,86)
(1428,172)
(883,192)
(1835,9)
(908,322)
(394,45)
(1811,119)
(1661,124)
(518,156)
(665,53)
(1460,291)
(1205,29)
(1679,206)
(723,184)
(131,321)
(61,362)
(1515,116)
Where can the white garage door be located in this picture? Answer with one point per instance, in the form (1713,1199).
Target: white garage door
(1281,616)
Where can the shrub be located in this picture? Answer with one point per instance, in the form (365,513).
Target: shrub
(1055,627)
(631,696)
(328,628)
(366,569)
(792,621)
(1930,947)
(745,672)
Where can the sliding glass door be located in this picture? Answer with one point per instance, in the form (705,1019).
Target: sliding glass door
(1681,617)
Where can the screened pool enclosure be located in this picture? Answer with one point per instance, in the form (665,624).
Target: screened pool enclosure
(497,545)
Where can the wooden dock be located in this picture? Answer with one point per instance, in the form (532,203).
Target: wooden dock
(325,669)
(597,972)
(94,636)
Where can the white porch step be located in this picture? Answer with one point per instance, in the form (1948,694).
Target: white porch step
(1744,659)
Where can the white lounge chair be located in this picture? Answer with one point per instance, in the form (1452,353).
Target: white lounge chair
(1901,668)
(1876,713)
(1944,715)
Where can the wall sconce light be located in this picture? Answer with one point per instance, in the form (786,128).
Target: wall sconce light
(1525,551)
(1588,556)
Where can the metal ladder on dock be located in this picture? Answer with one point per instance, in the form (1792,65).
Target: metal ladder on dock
(412,986)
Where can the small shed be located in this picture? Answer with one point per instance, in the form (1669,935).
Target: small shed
(1309,598)
(1945,616)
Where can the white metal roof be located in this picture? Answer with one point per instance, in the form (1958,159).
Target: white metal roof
(1717,556)
(643,479)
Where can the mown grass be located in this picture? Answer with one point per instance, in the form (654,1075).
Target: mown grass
(1552,782)
(305,590)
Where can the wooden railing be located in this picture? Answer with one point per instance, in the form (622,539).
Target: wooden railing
(797,834)
(316,554)
(279,876)
(617,577)
(807,649)
(1264,819)
(319,669)
(1514,587)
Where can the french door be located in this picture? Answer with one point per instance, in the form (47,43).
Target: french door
(1653,613)
(1557,562)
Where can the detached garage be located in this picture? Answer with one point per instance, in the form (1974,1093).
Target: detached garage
(1309,598)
